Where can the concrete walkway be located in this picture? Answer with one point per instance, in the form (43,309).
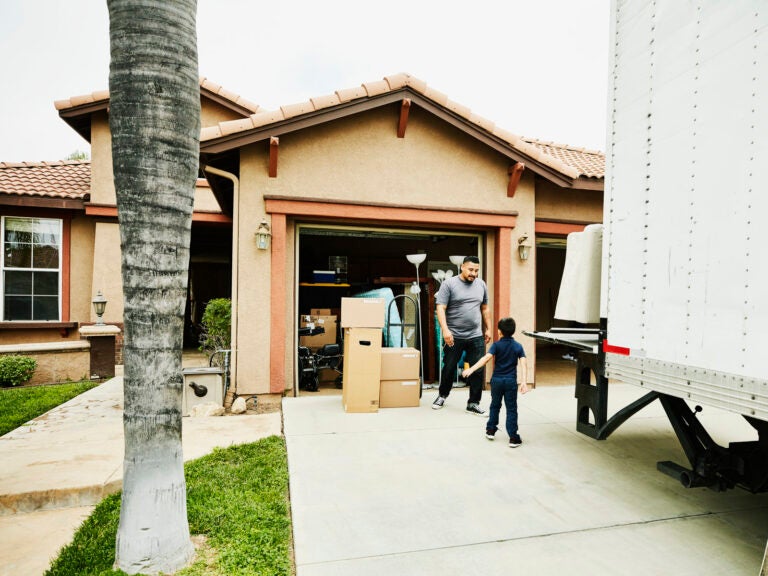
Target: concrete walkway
(56,468)
(415,491)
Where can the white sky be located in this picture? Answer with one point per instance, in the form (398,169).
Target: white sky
(537,68)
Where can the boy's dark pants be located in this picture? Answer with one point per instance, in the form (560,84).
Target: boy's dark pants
(475,349)
(505,388)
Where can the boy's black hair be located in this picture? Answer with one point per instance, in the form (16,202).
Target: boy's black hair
(473,259)
(507,326)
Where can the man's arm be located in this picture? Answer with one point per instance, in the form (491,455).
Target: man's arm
(447,335)
(485,312)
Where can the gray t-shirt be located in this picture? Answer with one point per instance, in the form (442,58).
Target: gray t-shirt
(463,300)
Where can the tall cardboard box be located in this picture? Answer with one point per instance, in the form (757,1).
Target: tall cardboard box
(400,364)
(399,393)
(362,369)
(362,312)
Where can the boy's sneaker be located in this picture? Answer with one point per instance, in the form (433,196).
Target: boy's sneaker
(438,403)
(475,409)
(490,434)
(515,441)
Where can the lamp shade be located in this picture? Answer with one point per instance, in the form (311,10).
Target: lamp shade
(456,260)
(416,258)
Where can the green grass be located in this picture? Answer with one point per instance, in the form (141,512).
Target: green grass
(20,405)
(237,497)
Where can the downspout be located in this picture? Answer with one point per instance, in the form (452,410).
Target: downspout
(232,393)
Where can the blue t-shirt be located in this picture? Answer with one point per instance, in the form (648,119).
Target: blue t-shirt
(506,352)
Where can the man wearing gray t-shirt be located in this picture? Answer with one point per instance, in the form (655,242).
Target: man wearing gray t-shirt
(462,310)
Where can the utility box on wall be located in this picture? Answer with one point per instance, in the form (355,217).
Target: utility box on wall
(202,386)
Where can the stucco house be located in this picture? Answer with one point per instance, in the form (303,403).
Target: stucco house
(365,176)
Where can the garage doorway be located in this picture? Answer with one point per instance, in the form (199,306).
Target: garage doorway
(342,261)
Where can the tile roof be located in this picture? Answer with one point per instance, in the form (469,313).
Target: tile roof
(63,179)
(570,161)
(205,85)
(589,163)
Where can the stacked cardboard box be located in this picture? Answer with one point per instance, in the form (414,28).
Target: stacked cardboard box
(362,320)
(327,321)
(400,384)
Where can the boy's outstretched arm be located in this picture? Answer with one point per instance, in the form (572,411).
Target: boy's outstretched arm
(479,364)
(523,371)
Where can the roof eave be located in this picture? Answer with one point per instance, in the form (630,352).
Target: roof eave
(79,117)
(242,138)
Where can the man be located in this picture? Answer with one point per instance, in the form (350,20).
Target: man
(462,310)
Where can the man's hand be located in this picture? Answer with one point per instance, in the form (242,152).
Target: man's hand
(448,338)
(488,336)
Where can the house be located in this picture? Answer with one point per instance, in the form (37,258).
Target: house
(363,176)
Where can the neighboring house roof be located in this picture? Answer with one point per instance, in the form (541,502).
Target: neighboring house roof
(76,110)
(569,166)
(65,179)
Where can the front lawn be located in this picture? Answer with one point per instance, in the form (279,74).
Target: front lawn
(22,404)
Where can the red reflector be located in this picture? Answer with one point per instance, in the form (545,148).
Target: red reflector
(615,349)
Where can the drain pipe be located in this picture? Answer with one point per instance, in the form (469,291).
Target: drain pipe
(231,394)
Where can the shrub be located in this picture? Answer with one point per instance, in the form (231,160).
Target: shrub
(217,325)
(16,370)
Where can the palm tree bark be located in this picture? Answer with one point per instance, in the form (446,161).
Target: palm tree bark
(155,125)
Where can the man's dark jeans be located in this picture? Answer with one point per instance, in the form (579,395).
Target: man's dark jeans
(475,349)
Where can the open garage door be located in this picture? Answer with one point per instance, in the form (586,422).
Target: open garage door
(339,261)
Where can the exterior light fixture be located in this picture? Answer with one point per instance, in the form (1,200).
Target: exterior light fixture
(262,235)
(99,306)
(523,249)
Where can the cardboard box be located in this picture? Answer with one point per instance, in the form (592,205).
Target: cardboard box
(362,369)
(318,340)
(399,364)
(399,393)
(362,312)
(321,312)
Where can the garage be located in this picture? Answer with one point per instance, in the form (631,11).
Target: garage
(336,261)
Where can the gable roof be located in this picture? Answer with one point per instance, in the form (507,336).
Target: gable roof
(566,165)
(76,110)
(65,179)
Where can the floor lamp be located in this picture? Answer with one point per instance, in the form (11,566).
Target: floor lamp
(417,259)
(457,261)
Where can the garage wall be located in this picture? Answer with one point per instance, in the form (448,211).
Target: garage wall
(360,159)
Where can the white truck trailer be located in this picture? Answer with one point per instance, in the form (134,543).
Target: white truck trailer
(678,302)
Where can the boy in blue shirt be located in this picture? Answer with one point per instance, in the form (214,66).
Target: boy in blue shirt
(507,352)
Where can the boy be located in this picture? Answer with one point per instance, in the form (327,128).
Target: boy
(507,352)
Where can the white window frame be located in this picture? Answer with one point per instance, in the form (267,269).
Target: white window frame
(4,268)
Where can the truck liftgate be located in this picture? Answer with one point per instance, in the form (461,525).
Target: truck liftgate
(740,464)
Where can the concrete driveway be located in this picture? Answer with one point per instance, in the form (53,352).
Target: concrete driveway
(419,491)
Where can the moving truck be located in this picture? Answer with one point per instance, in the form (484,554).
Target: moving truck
(671,293)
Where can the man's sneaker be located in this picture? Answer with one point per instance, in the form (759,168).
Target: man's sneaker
(490,434)
(515,441)
(438,403)
(475,409)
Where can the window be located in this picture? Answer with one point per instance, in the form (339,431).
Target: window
(31,268)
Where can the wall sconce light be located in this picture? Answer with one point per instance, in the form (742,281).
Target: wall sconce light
(523,249)
(99,306)
(262,235)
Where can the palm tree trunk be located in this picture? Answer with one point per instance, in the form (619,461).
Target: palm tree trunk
(155,126)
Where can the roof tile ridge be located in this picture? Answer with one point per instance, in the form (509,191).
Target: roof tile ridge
(228,94)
